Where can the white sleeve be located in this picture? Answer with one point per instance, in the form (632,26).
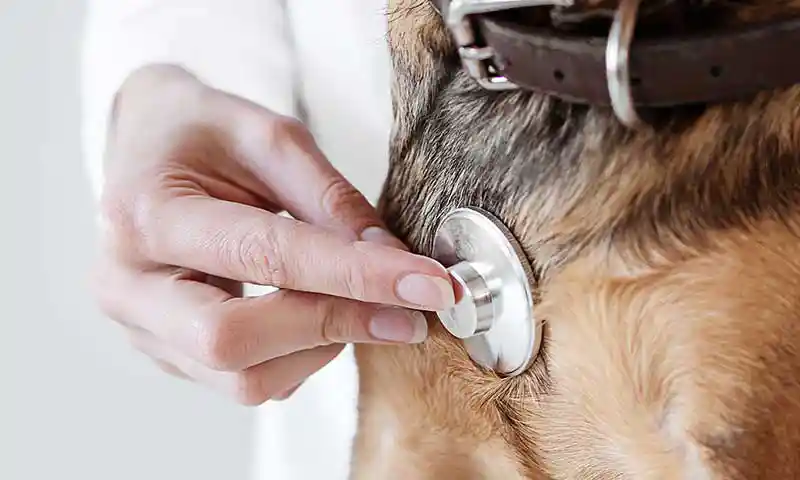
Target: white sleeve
(240,46)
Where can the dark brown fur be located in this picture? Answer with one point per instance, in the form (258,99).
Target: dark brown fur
(669,280)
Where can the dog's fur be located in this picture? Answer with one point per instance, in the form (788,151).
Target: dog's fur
(668,266)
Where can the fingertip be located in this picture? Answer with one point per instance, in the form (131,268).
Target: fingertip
(418,281)
(426,292)
(398,325)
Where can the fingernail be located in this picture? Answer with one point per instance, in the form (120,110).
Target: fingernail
(429,293)
(381,236)
(399,325)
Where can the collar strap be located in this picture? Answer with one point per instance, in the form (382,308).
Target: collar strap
(659,72)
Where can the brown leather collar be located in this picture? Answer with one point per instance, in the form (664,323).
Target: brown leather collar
(705,68)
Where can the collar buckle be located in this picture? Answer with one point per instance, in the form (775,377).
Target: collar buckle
(481,61)
(618,77)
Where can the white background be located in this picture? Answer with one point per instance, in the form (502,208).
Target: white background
(76,403)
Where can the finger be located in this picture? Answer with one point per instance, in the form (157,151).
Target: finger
(140,338)
(288,393)
(283,154)
(234,288)
(248,331)
(263,382)
(145,342)
(252,386)
(170,369)
(247,244)
(226,333)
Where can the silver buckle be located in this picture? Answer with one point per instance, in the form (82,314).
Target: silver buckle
(617,63)
(479,61)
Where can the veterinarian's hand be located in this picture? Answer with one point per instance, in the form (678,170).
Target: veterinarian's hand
(195,179)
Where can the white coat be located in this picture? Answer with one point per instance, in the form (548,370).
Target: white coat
(328,56)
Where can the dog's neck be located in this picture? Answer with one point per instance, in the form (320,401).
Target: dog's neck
(566,177)
(636,369)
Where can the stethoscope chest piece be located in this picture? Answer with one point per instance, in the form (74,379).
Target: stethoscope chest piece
(493,315)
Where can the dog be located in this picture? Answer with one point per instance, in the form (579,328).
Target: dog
(667,265)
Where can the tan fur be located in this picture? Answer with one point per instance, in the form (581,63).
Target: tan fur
(669,267)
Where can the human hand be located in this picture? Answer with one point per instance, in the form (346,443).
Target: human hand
(195,181)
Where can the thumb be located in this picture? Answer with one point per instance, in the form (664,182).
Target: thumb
(311,189)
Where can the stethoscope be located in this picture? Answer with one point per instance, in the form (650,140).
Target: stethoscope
(493,316)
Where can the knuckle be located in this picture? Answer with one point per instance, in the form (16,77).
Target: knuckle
(115,216)
(138,343)
(114,205)
(250,390)
(107,292)
(287,132)
(98,283)
(218,342)
(259,254)
(170,369)
(354,282)
(125,219)
(144,344)
(335,324)
(340,196)
(144,223)
(105,299)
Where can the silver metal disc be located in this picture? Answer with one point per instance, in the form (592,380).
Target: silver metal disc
(514,337)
